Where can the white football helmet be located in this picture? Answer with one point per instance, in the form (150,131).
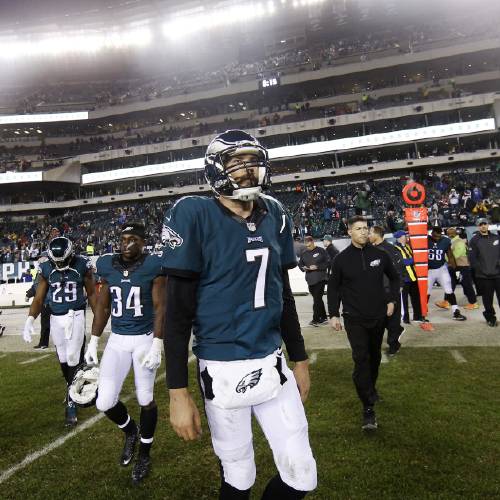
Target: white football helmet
(83,388)
(227,145)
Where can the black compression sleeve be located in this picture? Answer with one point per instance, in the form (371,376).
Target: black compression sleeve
(179,316)
(290,326)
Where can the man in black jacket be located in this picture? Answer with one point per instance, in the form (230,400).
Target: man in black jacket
(485,260)
(314,262)
(45,314)
(357,281)
(331,250)
(394,328)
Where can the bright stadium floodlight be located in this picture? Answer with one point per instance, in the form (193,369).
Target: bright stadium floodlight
(201,20)
(81,42)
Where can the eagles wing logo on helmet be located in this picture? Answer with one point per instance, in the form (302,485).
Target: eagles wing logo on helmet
(60,252)
(170,237)
(227,145)
(249,380)
(83,388)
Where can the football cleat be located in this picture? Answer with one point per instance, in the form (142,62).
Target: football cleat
(443,304)
(426,326)
(471,307)
(457,316)
(492,322)
(141,468)
(221,150)
(129,447)
(70,413)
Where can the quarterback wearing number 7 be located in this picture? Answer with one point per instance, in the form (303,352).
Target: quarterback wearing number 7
(227,261)
(132,293)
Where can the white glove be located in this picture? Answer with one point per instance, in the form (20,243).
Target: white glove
(152,360)
(29,329)
(68,327)
(91,352)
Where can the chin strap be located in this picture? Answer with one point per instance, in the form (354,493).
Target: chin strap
(245,194)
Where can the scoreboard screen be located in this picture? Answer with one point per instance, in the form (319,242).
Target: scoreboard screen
(273,81)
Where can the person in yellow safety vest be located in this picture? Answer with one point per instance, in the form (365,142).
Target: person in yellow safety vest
(460,252)
(410,283)
(90,249)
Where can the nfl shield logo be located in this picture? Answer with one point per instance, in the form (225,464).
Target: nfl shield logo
(125,273)
(251,226)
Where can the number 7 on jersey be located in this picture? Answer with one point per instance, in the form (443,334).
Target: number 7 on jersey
(259,300)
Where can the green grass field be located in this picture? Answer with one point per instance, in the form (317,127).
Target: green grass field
(438,437)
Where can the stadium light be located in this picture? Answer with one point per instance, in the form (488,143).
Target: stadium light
(201,20)
(84,42)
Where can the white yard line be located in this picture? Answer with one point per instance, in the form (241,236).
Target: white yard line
(34,360)
(457,356)
(313,358)
(3,356)
(60,441)
(384,358)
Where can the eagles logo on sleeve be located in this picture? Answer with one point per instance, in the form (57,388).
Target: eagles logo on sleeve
(249,380)
(170,237)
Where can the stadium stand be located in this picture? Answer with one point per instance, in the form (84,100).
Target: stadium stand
(455,198)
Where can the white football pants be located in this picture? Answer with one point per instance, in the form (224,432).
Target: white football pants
(68,350)
(442,276)
(121,352)
(284,423)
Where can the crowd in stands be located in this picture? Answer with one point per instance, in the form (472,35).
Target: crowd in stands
(332,52)
(369,157)
(453,199)
(123,133)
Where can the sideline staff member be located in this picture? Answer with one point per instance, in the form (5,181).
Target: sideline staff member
(314,262)
(485,260)
(358,281)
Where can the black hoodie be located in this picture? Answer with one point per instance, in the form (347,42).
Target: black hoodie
(358,282)
(485,255)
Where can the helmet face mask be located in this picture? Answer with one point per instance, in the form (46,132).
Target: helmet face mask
(60,252)
(237,166)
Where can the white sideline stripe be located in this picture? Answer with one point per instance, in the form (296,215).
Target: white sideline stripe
(313,358)
(34,360)
(457,356)
(3,356)
(60,441)
(384,358)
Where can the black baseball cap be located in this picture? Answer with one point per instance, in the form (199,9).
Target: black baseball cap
(135,228)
